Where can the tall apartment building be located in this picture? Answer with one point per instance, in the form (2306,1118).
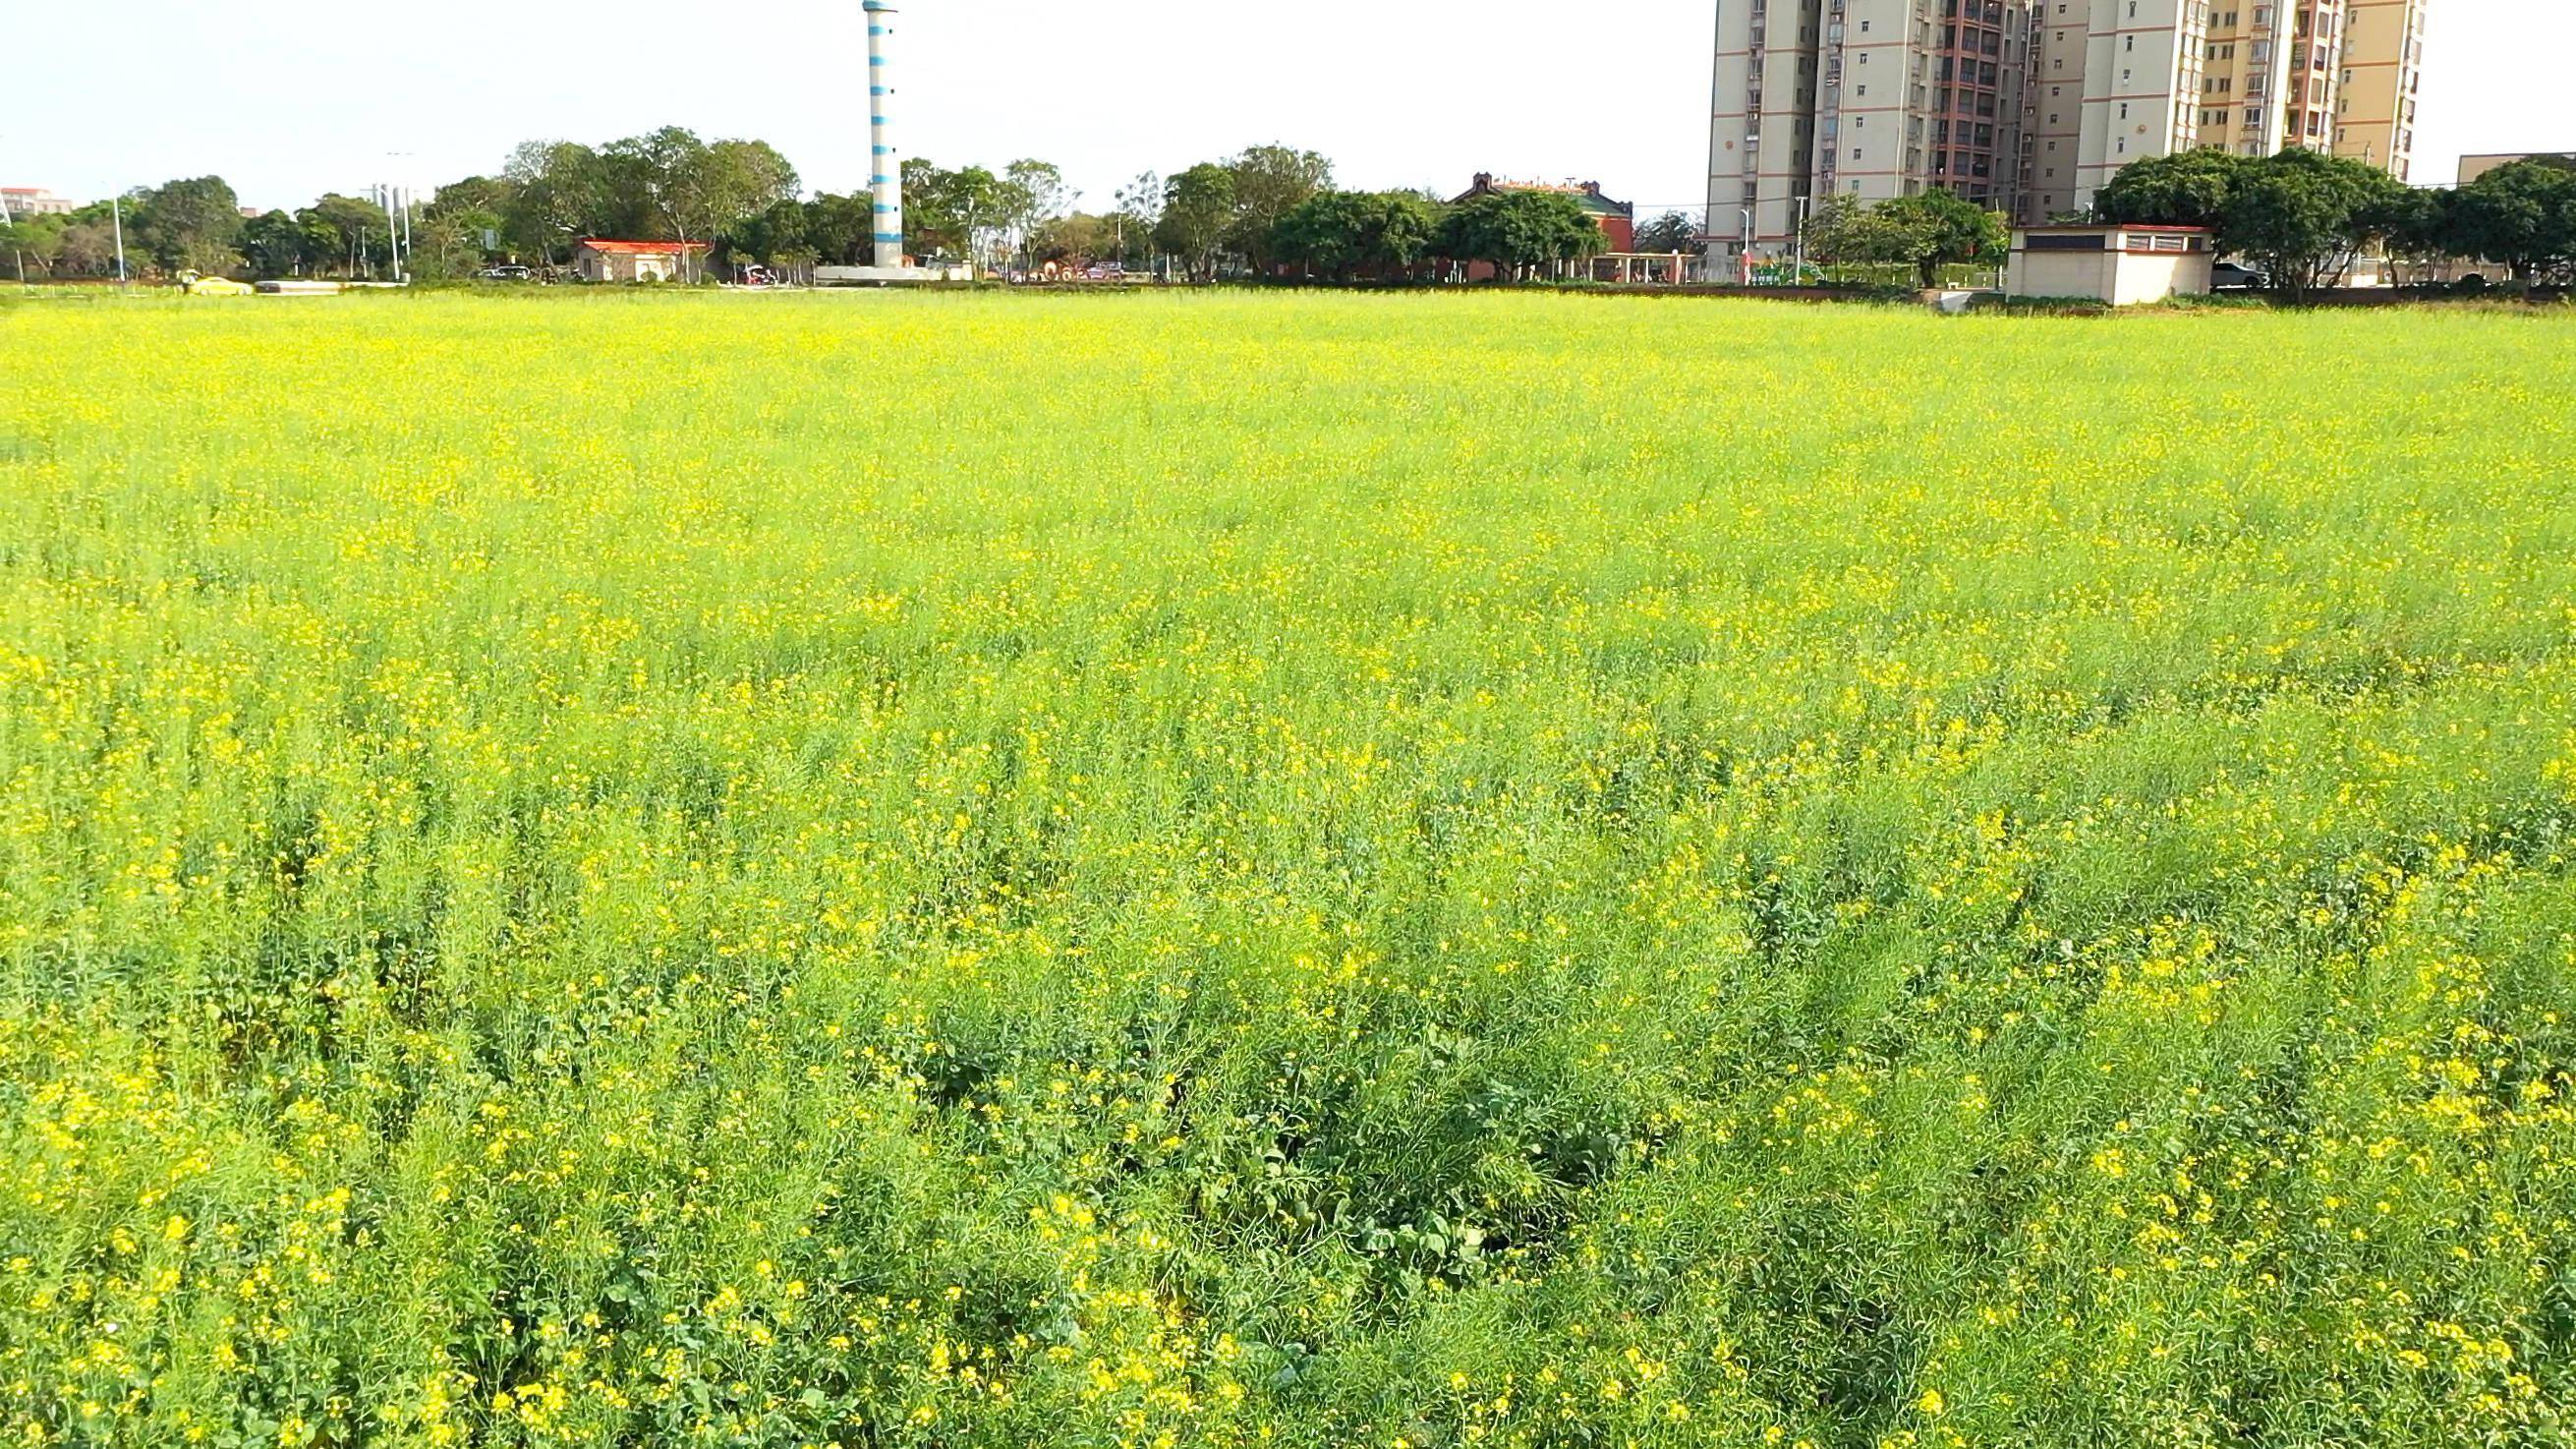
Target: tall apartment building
(1873,99)
(2112,81)
(2031,106)
(2118,80)
(2383,65)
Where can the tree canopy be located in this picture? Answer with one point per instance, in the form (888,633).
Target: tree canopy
(2187,188)
(1674,231)
(1517,231)
(1198,211)
(1341,233)
(1925,233)
(2522,214)
(2302,217)
(195,224)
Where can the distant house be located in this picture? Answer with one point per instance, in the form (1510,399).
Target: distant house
(27,201)
(600,260)
(1617,219)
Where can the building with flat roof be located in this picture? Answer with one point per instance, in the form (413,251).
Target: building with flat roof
(2121,265)
(25,201)
(2473,167)
(599,260)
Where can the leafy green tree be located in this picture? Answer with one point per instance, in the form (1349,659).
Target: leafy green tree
(961,212)
(778,235)
(2187,188)
(1839,231)
(841,230)
(1032,194)
(1674,231)
(275,244)
(1404,227)
(1940,228)
(194,224)
(559,195)
(34,242)
(1268,180)
(1518,231)
(2416,227)
(735,180)
(493,194)
(346,233)
(2522,214)
(652,183)
(2301,217)
(1326,233)
(1140,205)
(1198,211)
(1339,233)
(1923,233)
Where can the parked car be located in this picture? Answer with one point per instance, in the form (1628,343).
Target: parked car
(2232,277)
(509,273)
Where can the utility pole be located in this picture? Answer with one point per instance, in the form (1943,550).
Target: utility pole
(385,192)
(116,215)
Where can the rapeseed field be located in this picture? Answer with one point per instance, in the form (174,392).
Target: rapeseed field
(1272,869)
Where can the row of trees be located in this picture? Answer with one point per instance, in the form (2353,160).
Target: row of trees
(2302,218)
(1262,209)
(666,184)
(191,223)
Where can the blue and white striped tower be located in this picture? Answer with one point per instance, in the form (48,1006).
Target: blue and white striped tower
(885,168)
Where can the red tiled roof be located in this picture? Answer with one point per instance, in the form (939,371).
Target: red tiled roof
(641,248)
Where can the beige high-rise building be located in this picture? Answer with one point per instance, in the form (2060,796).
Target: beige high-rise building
(1762,133)
(2383,65)
(2112,81)
(2032,106)
(1873,99)
(2273,74)
(2160,76)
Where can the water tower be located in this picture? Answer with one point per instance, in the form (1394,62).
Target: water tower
(885,165)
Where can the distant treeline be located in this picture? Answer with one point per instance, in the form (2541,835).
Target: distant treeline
(1266,209)
(2303,218)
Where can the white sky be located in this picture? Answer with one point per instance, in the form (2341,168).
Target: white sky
(1399,93)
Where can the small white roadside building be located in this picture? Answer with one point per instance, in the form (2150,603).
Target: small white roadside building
(598,259)
(2121,265)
